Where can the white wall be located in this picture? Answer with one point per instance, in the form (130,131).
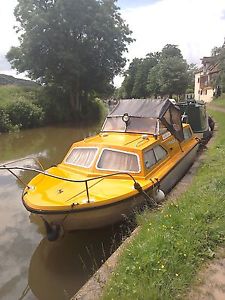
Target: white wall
(197,86)
(208,97)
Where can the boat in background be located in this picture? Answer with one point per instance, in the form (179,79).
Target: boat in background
(142,151)
(195,113)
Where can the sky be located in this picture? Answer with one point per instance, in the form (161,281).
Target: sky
(195,26)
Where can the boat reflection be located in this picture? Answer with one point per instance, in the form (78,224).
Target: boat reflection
(59,269)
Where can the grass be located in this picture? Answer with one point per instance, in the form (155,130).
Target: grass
(11,93)
(162,261)
(220,101)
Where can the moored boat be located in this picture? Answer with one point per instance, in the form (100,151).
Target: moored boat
(141,152)
(195,113)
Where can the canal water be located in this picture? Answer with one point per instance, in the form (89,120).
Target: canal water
(30,266)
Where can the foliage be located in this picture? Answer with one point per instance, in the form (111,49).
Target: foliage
(218,56)
(74,45)
(5,123)
(19,108)
(10,93)
(25,114)
(141,78)
(174,242)
(158,74)
(192,69)
(170,76)
(127,86)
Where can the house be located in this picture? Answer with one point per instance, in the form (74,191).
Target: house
(205,79)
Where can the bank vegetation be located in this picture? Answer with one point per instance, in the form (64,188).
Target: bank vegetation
(176,240)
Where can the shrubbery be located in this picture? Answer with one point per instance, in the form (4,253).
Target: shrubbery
(34,107)
(20,114)
(25,114)
(5,123)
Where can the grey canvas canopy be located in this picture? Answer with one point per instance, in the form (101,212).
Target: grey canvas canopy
(145,116)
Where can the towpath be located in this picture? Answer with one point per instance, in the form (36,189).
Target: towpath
(211,280)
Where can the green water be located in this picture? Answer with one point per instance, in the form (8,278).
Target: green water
(30,266)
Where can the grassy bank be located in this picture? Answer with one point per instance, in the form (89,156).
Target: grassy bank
(162,261)
(220,101)
(12,93)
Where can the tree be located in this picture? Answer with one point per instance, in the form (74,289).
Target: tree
(218,79)
(192,70)
(130,75)
(77,46)
(170,75)
(141,78)
(135,82)
(154,84)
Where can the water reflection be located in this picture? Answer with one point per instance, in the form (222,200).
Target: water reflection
(52,270)
(57,270)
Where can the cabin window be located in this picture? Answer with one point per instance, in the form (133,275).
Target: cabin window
(114,160)
(82,157)
(160,152)
(187,133)
(149,159)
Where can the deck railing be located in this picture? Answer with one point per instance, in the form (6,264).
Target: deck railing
(43,172)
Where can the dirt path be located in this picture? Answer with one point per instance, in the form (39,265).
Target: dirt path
(210,283)
(211,280)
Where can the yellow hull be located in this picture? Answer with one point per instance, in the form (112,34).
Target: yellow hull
(118,211)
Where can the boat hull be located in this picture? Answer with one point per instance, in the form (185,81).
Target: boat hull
(110,214)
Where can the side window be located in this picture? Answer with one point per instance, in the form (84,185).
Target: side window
(187,133)
(160,152)
(149,159)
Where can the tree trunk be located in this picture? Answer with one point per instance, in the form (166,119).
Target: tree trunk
(75,98)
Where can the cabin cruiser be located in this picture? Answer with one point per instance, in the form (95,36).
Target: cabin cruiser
(142,151)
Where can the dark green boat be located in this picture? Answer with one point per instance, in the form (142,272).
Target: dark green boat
(195,113)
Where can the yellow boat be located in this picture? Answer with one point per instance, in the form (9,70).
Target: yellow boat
(140,154)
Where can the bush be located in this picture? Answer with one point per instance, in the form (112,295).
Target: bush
(24,114)
(94,111)
(55,104)
(5,123)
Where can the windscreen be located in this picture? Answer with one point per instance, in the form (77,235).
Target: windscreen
(135,125)
(113,160)
(81,157)
(114,124)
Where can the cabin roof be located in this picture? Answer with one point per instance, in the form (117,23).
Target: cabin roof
(115,139)
(141,108)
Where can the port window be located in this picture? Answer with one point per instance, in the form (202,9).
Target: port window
(82,157)
(149,159)
(187,133)
(115,160)
(160,152)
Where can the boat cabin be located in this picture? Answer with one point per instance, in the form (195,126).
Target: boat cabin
(137,137)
